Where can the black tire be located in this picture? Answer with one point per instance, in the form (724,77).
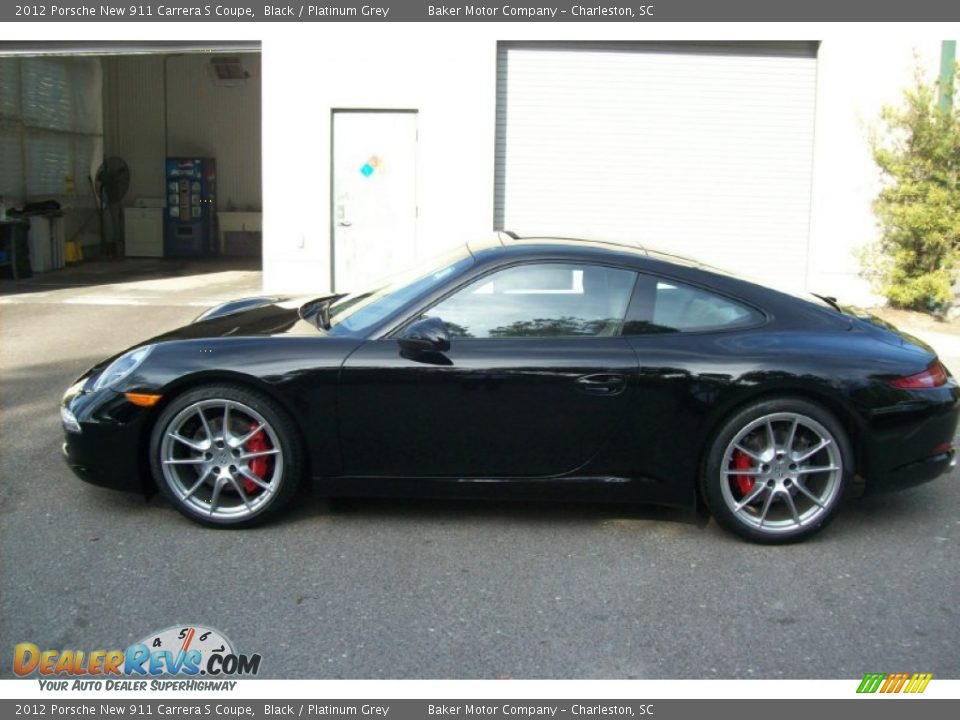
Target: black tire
(772,500)
(194,416)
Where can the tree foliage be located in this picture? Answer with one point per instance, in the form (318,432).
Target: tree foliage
(919,206)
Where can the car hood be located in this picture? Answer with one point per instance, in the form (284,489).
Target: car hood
(249,317)
(275,315)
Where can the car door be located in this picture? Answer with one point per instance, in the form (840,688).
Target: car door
(536,377)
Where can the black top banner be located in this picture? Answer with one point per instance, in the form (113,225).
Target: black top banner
(502,11)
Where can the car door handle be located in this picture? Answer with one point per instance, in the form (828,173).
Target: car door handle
(601,384)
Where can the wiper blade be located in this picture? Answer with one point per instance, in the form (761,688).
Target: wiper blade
(830,300)
(323,314)
(320,310)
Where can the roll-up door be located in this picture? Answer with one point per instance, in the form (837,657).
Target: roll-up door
(696,149)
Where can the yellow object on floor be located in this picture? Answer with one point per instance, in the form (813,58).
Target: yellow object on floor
(73,253)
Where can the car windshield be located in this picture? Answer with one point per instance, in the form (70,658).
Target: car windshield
(356,312)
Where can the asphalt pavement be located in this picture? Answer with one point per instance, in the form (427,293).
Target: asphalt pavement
(421,589)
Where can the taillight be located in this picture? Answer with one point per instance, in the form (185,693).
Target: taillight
(933,376)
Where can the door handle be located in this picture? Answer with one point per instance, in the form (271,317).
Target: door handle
(602,384)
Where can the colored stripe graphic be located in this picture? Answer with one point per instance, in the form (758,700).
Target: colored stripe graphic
(871,682)
(894,682)
(918,683)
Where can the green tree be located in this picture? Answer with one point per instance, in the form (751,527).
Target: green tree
(919,206)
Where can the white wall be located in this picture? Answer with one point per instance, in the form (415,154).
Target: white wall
(451,80)
(856,78)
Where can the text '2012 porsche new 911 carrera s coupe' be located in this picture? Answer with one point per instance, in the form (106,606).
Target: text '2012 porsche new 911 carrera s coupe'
(542,368)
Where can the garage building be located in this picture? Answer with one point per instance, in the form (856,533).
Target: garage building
(65,108)
(749,155)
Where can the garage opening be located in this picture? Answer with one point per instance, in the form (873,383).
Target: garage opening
(143,153)
(690,148)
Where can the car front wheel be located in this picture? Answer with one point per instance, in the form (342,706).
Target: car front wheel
(777,471)
(225,456)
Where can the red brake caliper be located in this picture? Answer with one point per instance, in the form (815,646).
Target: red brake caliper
(258,466)
(743,483)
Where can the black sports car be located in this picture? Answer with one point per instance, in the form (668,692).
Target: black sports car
(536,367)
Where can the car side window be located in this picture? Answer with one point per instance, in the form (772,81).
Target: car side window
(540,300)
(662,306)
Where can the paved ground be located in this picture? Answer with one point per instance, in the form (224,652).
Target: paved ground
(443,589)
(138,281)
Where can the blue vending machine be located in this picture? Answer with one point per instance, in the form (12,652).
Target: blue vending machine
(189,223)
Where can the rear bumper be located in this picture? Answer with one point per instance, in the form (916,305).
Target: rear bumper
(913,443)
(914,473)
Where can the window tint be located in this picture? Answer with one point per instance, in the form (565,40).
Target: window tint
(540,300)
(668,306)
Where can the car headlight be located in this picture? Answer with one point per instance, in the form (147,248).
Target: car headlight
(69,420)
(122,366)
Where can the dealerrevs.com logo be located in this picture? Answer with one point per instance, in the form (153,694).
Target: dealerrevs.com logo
(184,651)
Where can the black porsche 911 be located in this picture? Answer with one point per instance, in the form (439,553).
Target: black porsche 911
(535,367)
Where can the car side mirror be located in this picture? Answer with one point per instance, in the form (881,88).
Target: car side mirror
(425,335)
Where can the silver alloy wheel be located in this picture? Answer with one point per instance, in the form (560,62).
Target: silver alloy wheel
(781,472)
(210,454)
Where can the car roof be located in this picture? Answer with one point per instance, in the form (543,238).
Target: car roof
(508,240)
(774,301)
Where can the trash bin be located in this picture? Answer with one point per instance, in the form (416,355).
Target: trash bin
(46,243)
(13,233)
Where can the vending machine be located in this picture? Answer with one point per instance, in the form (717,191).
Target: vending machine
(189,222)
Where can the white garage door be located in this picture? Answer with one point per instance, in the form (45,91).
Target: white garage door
(691,149)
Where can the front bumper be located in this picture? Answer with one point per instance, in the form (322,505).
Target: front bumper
(109,450)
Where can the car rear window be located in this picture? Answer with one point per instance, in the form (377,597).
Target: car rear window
(667,306)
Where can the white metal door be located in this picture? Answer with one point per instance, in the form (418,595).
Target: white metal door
(374,195)
(692,148)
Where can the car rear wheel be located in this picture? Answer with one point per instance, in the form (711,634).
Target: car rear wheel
(777,471)
(225,456)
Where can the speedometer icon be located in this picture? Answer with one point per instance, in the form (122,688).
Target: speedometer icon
(179,640)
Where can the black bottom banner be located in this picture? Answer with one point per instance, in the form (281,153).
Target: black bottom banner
(875,708)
